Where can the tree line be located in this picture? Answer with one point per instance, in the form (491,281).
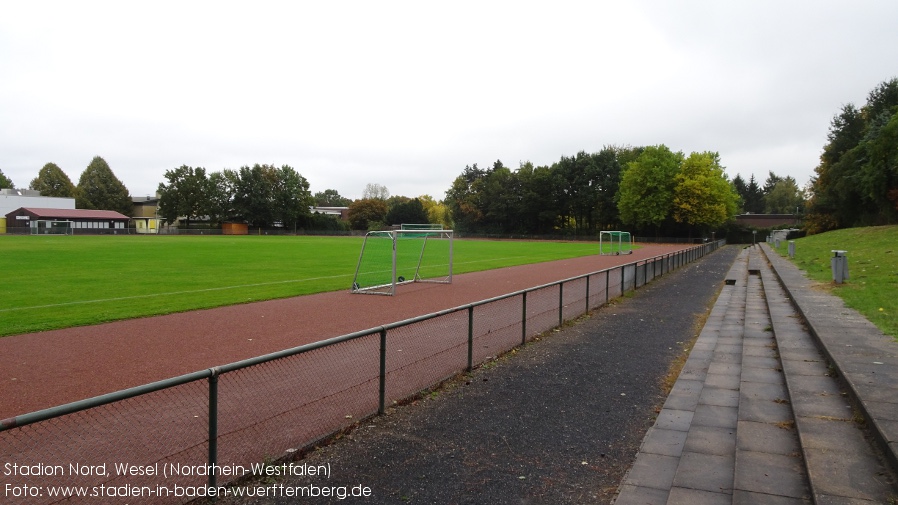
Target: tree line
(648,190)
(98,188)
(856,182)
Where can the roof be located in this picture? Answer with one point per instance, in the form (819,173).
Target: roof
(42,213)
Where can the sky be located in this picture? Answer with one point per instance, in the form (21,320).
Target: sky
(406,94)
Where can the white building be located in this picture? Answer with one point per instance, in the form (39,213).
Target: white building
(12,199)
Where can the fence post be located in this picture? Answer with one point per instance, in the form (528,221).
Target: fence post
(623,269)
(524,320)
(383,371)
(587,295)
(560,304)
(470,338)
(607,285)
(213,425)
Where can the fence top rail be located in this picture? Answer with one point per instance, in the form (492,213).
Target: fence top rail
(71,408)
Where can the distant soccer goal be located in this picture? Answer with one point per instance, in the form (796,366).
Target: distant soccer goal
(615,242)
(51,227)
(395,257)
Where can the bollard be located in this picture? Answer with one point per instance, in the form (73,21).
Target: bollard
(792,249)
(839,264)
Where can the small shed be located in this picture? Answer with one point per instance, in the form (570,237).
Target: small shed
(234,229)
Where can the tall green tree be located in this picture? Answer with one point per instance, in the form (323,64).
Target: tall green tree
(254,194)
(464,199)
(222,187)
(408,212)
(331,198)
(741,189)
(785,197)
(6,182)
(647,187)
(703,197)
(52,181)
(753,201)
(99,188)
(187,194)
(856,183)
(367,213)
(291,198)
(539,210)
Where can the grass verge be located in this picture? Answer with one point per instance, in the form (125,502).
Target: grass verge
(872,264)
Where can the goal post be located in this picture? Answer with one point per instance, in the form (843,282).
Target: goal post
(51,227)
(615,243)
(395,257)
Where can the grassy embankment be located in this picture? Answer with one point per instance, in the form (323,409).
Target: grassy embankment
(872,288)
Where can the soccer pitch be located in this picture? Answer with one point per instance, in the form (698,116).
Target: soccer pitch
(52,282)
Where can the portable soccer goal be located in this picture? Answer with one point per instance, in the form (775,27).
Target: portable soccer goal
(51,227)
(615,242)
(395,257)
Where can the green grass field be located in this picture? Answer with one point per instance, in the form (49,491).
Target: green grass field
(51,282)
(872,254)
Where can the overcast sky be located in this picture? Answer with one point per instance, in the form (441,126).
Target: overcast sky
(406,94)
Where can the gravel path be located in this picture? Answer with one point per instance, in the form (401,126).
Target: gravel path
(558,421)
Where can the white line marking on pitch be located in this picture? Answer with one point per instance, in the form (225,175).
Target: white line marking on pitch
(152,295)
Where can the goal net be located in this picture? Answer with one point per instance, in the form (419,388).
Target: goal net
(615,242)
(51,227)
(396,257)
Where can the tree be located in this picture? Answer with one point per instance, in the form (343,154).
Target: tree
(539,211)
(437,212)
(753,201)
(222,187)
(52,181)
(410,212)
(254,193)
(856,182)
(5,182)
(98,188)
(463,198)
(741,189)
(647,187)
(377,191)
(703,196)
(784,198)
(187,194)
(367,213)
(291,198)
(331,198)
(771,181)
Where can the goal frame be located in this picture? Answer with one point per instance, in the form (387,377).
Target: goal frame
(50,225)
(389,288)
(612,235)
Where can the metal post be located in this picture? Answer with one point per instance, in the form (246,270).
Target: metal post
(381,408)
(587,295)
(470,338)
(607,285)
(524,320)
(560,304)
(213,426)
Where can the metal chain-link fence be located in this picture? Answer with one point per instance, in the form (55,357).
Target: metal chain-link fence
(174,440)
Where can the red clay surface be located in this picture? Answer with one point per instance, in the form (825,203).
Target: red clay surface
(42,370)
